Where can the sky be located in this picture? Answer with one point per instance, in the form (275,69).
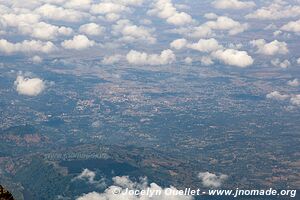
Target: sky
(153,34)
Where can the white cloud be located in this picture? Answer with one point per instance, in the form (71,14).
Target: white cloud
(277,33)
(211,16)
(298,61)
(125,182)
(233,57)
(294,83)
(20,4)
(88,175)
(178,44)
(205,45)
(226,23)
(111,17)
(36,59)
(270,27)
(182,6)
(44,31)
(109,60)
(53,12)
(26,46)
(293,26)
(79,42)
(212,180)
(142,58)
(129,2)
(277,96)
(108,7)
(15,20)
(113,9)
(202,31)
(206,60)
(276,10)
(295,100)
(283,64)
(131,32)
(4,7)
(179,18)
(91,29)
(188,60)
(29,86)
(29,24)
(272,48)
(233,4)
(78,4)
(117,191)
(166,10)
(222,23)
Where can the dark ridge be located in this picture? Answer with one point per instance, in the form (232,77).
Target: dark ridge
(5,195)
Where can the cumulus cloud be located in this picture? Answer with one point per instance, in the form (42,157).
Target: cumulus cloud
(29,86)
(211,16)
(54,12)
(276,10)
(283,64)
(90,177)
(131,32)
(188,60)
(166,10)
(205,45)
(44,30)
(298,61)
(36,59)
(212,180)
(91,29)
(226,23)
(180,18)
(26,47)
(121,183)
(277,33)
(222,23)
(293,26)
(87,174)
(108,7)
(295,100)
(142,58)
(233,4)
(294,83)
(79,42)
(277,96)
(206,60)
(233,57)
(129,2)
(272,48)
(78,4)
(109,60)
(29,24)
(15,20)
(178,44)
(202,31)
(111,17)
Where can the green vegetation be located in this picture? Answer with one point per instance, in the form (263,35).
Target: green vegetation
(20,130)
(41,180)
